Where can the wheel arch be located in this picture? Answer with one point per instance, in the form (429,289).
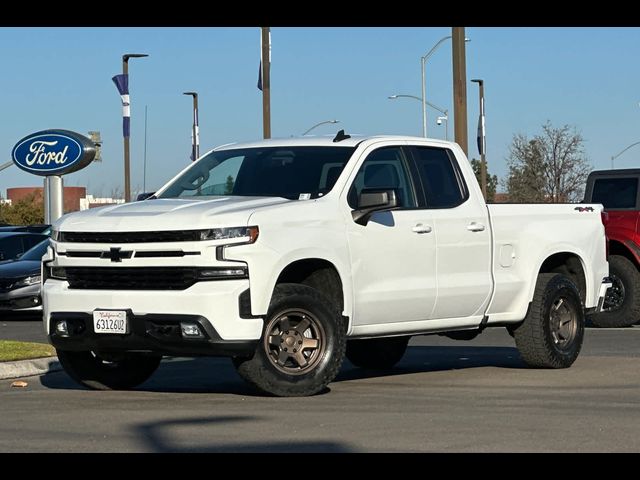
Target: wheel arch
(320,274)
(568,263)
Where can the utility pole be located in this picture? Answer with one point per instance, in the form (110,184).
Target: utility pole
(460,88)
(266,81)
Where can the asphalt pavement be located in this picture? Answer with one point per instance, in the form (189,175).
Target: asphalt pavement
(444,396)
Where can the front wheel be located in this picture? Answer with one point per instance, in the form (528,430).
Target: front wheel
(551,334)
(108,371)
(302,345)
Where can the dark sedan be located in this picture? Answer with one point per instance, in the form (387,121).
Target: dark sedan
(20,280)
(14,244)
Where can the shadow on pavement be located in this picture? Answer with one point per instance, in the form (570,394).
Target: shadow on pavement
(158,437)
(217,375)
(423,359)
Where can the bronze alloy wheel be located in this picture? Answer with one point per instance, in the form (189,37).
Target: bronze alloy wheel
(295,341)
(563,322)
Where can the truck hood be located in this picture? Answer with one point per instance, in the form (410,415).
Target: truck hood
(167,214)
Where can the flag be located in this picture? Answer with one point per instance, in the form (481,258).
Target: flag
(260,76)
(480,138)
(122,84)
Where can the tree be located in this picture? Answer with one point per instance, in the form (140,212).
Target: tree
(492,180)
(28,211)
(551,167)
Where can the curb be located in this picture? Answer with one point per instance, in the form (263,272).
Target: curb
(28,368)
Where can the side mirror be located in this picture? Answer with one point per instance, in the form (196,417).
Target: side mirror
(144,196)
(371,201)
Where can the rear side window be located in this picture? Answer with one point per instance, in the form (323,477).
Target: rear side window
(443,185)
(615,192)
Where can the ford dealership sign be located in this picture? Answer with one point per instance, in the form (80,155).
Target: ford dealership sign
(53,152)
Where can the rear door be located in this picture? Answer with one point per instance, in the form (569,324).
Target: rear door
(462,234)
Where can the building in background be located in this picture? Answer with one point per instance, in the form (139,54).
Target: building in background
(75,198)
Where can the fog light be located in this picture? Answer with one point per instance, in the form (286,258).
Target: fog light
(191,330)
(62,329)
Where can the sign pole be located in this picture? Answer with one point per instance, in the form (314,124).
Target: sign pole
(53,198)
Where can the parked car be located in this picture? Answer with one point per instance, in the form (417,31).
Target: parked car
(14,244)
(44,229)
(289,254)
(20,280)
(618,192)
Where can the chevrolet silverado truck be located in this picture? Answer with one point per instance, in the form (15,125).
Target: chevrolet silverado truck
(618,190)
(288,255)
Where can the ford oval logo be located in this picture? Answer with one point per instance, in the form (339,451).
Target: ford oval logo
(53,152)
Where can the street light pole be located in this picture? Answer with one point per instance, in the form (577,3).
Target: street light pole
(195,142)
(482,147)
(321,123)
(423,65)
(445,112)
(616,156)
(122,83)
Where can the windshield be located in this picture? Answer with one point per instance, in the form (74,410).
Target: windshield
(37,252)
(296,173)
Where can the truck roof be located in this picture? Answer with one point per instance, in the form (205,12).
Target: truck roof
(616,172)
(326,140)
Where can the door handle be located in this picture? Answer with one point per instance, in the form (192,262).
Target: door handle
(475,227)
(420,228)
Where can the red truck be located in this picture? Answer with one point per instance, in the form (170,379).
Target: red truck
(618,191)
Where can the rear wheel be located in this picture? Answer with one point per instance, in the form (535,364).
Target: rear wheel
(551,334)
(302,345)
(621,306)
(377,353)
(108,371)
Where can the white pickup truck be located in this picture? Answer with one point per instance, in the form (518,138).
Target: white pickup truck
(287,255)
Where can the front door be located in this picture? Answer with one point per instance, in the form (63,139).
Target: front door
(394,256)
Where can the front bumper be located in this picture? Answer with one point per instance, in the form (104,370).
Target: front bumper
(216,303)
(146,333)
(24,298)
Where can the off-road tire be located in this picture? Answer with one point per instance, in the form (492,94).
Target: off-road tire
(624,271)
(124,372)
(293,304)
(551,334)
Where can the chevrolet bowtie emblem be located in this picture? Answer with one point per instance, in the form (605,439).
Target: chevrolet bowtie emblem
(115,254)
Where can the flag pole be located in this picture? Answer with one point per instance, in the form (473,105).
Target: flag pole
(265,77)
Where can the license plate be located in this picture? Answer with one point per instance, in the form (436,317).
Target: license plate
(110,321)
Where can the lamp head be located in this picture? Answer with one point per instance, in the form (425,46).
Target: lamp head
(392,97)
(127,56)
(477,80)
(193,94)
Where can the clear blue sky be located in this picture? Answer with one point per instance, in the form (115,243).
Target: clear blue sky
(61,78)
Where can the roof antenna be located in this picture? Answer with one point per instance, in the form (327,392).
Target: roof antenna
(340,136)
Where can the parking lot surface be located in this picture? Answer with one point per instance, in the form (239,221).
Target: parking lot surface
(444,396)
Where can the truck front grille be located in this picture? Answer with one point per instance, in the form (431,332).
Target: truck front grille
(131,278)
(130,237)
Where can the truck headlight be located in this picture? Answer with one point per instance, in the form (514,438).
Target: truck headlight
(25,282)
(55,235)
(244,234)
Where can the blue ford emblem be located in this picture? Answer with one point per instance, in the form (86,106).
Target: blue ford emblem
(53,152)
